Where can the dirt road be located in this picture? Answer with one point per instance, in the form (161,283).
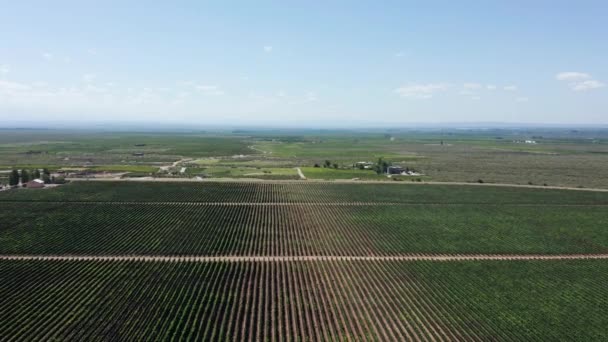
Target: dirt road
(257,258)
(311,204)
(338,181)
(301,174)
(167,167)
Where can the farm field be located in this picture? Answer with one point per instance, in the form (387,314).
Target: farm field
(330,174)
(245,172)
(317,300)
(560,157)
(299,229)
(301,192)
(302,261)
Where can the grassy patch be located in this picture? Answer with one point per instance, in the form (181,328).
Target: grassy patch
(329,173)
(124,168)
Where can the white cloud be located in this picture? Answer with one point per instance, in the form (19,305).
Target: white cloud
(400,54)
(522,99)
(267,48)
(472,86)
(421,91)
(47,55)
(205,89)
(587,85)
(579,81)
(510,88)
(475,98)
(7,86)
(491,87)
(92,51)
(572,76)
(209,90)
(95,89)
(466,92)
(311,97)
(88,78)
(5,69)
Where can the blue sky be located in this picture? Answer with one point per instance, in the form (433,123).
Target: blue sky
(350,63)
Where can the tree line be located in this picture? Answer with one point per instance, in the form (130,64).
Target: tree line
(379,167)
(25,176)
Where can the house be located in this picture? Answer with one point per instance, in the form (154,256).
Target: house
(138,154)
(395,170)
(35,184)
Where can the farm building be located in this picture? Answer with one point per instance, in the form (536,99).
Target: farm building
(35,184)
(364,165)
(395,170)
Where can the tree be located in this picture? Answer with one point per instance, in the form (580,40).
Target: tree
(36,173)
(46,178)
(317,165)
(46,171)
(13,178)
(25,176)
(335,165)
(382,166)
(327,163)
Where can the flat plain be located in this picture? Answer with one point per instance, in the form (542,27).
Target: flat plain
(302,261)
(558,157)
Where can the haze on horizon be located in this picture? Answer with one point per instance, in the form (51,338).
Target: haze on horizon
(304,64)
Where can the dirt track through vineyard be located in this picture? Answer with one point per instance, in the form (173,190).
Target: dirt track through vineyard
(408,257)
(318,204)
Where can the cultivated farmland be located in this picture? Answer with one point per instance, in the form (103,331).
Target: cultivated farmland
(316,300)
(299,261)
(299,229)
(302,192)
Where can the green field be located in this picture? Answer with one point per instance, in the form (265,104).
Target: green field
(299,229)
(322,300)
(303,192)
(561,157)
(54,149)
(300,219)
(245,172)
(331,174)
(302,259)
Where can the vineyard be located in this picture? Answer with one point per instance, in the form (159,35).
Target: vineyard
(298,192)
(285,301)
(296,261)
(298,229)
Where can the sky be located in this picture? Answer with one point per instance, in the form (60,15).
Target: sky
(304,63)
